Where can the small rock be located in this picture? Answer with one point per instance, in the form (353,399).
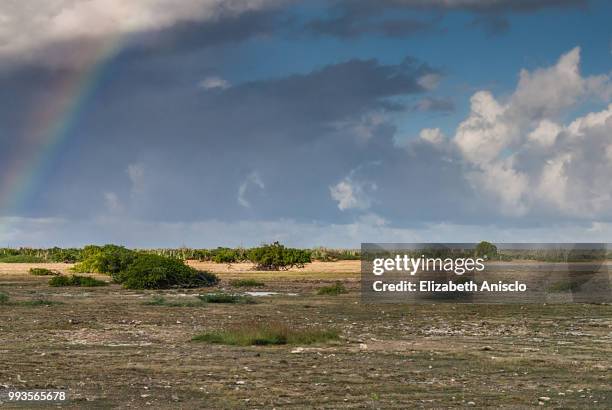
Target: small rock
(298,350)
(240,382)
(363,346)
(486,348)
(544,398)
(471,403)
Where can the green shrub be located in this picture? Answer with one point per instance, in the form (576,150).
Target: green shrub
(266,334)
(4,298)
(21,259)
(332,255)
(70,255)
(43,272)
(75,280)
(246,283)
(149,271)
(487,249)
(227,255)
(109,259)
(335,289)
(226,298)
(276,256)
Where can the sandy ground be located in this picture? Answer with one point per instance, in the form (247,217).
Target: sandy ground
(109,350)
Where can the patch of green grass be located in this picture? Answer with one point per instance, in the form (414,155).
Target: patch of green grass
(226,298)
(76,280)
(332,290)
(261,334)
(43,272)
(21,259)
(246,283)
(161,301)
(4,298)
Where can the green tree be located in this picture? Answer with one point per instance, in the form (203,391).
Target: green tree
(485,249)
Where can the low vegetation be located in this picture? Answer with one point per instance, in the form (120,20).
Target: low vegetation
(333,255)
(226,298)
(5,300)
(113,258)
(21,259)
(43,272)
(333,290)
(109,259)
(278,257)
(270,333)
(246,283)
(161,301)
(149,271)
(76,280)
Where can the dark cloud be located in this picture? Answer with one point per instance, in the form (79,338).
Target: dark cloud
(194,148)
(348,25)
(191,36)
(351,18)
(432,104)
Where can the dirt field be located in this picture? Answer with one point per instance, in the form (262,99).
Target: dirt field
(108,349)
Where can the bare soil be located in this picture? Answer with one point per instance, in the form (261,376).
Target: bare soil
(109,350)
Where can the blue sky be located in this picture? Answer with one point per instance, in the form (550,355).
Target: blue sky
(314,123)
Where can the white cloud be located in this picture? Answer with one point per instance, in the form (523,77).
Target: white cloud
(519,153)
(214,82)
(27,28)
(429,81)
(433,136)
(351,194)
(252,179)
(545,133)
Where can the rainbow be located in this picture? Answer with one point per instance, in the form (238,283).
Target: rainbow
(50,123)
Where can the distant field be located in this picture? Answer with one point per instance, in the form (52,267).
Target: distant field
(110,347)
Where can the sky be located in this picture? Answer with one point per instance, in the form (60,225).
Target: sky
(208,123)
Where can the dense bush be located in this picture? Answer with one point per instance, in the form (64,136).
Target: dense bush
(487,249)
(276,256)
(4,298)
(43,272)
(332,255)
(76,280)
(228,255)
(149,271)
(109,259)
(70,255)
(21,259)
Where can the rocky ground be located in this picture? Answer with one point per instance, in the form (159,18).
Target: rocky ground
(106,348)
